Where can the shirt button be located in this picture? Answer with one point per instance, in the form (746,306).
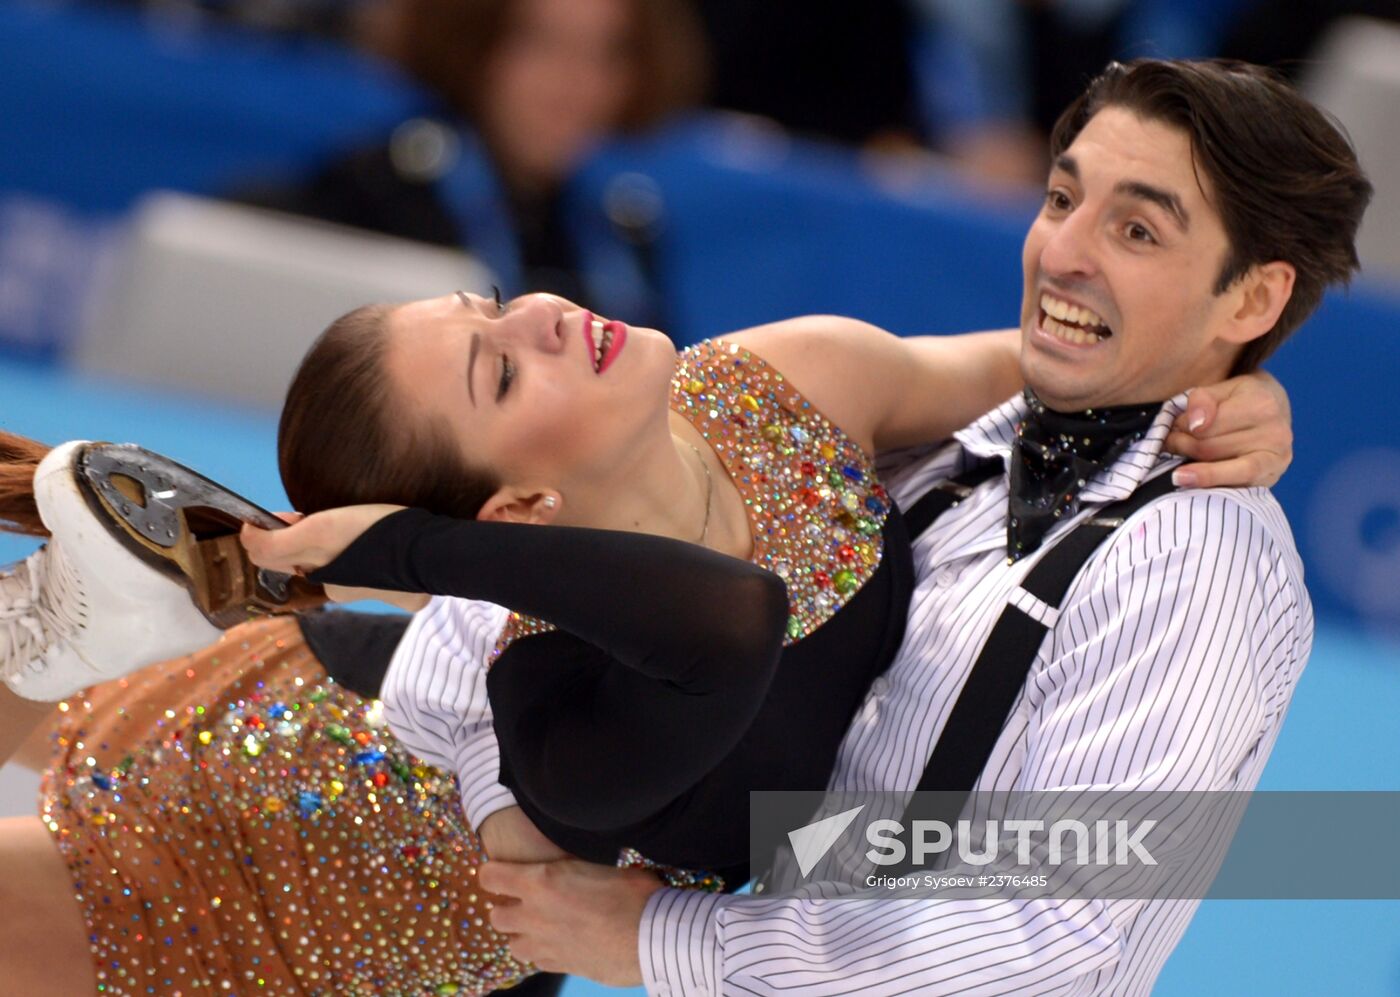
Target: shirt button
(870,710)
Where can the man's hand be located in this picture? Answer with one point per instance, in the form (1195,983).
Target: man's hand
(1239,432)
(572,916)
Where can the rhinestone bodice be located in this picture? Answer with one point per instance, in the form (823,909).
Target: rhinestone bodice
(814,505)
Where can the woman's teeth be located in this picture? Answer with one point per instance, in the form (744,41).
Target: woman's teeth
(602,339)
(1072,323)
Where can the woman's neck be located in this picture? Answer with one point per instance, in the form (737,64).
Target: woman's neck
(677,487)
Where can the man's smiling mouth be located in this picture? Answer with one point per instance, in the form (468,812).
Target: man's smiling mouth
(1071,323)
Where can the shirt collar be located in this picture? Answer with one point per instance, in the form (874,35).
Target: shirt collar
(994,434)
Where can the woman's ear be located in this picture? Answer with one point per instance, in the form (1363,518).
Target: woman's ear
(511,505)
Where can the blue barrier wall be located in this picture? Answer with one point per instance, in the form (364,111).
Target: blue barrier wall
(96,108)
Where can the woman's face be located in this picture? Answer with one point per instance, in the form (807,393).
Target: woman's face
(558,82)
(523,389)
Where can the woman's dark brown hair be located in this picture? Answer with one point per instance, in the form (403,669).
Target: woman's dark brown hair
(347,438)
(1282,175)
(19,458)
(447,44)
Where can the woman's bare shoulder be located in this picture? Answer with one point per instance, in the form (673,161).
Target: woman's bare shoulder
(837,363)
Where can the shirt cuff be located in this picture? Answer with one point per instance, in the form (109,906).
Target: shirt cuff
(678,943)
(478,774)
(485,803)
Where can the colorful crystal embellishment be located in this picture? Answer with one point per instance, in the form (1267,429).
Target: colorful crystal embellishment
(815,506)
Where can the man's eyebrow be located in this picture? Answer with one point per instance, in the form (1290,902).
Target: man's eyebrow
(1164,199)
(471,365)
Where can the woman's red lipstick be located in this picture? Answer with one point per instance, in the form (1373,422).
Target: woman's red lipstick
(618,332)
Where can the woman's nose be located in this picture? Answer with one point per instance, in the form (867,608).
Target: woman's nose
(539,320)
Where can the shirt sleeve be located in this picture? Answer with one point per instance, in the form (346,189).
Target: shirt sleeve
(1169,667)
(435,699)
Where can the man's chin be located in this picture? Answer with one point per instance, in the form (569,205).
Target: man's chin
(1058,388)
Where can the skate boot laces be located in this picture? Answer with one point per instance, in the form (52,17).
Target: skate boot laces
(41,603)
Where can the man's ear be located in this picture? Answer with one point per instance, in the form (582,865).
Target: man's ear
(1260,297)
(514,505)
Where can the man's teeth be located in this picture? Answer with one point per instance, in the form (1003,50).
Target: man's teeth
(1069,333)
(1065,314)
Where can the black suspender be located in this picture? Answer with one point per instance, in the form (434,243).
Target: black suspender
(946,494)
(983,705)
(1001,668)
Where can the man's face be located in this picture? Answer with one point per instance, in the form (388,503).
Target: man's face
(1120,268)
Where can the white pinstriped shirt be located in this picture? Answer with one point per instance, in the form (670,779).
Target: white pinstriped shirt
(1170,666)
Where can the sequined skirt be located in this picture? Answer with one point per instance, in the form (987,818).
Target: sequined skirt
(237,823)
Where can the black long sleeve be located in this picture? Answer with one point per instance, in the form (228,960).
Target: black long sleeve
(666,652)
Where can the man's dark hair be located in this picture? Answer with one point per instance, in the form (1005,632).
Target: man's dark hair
(1282,175)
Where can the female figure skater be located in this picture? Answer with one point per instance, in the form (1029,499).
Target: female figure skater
(719,547)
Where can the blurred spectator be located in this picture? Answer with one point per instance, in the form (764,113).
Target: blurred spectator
(996,73)
(1279,34)
(526,88)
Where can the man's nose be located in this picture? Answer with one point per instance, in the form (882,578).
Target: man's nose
(1071,250)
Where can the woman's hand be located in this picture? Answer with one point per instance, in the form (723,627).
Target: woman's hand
(313,541)
(1239,433)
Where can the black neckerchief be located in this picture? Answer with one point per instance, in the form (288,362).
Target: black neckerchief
(1055,455)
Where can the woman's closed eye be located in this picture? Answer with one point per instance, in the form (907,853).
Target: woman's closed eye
(501,305)
(507,377)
